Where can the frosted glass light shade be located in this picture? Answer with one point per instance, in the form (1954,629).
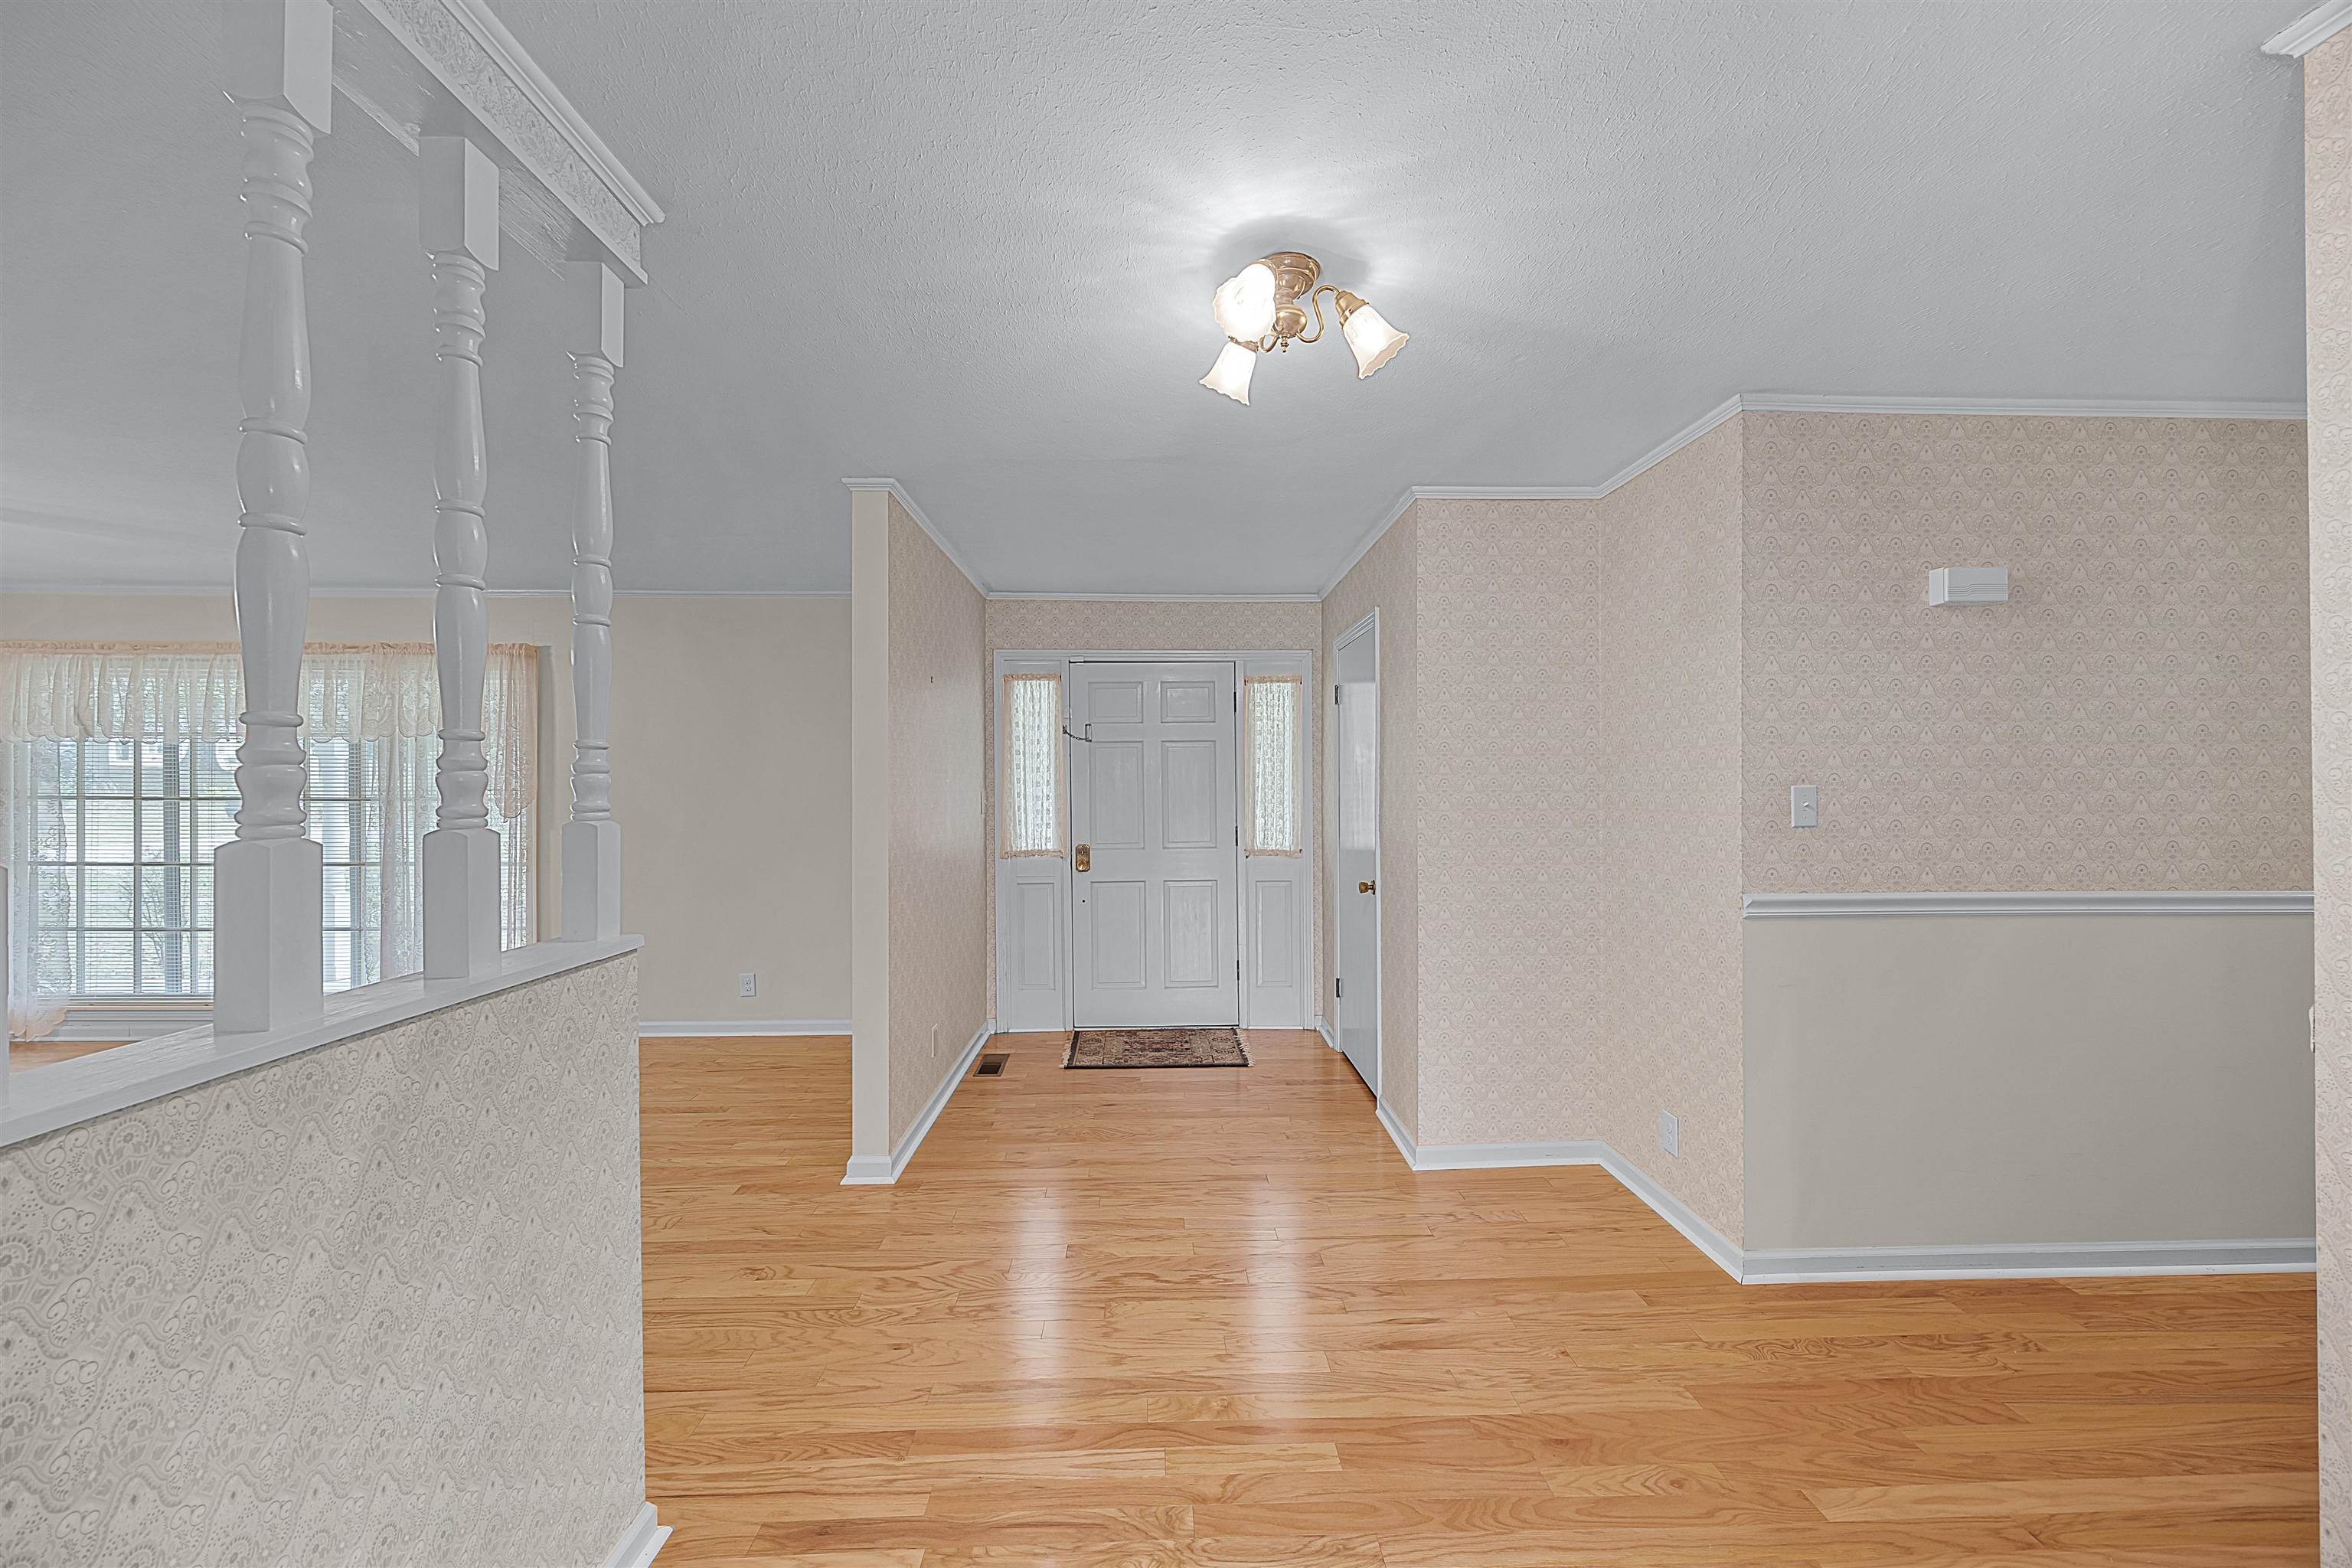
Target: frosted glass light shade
(1230,373)
(1245,303)
(1373,340)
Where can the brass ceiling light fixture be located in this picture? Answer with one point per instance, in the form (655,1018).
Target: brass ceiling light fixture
(1263,307)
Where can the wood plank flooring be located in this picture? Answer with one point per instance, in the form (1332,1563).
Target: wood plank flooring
(1207,1317)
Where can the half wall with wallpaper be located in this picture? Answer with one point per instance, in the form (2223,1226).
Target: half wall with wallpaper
(1826,1050)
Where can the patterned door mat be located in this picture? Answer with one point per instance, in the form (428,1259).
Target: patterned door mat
(1220,1047)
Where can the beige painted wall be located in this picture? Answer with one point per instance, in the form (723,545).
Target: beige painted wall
(1950,1079)
(938,862)
(730,776)
(1387,579)
(2328,185)
(1053,626)
(1668,630)
(730,780)
(2136,717)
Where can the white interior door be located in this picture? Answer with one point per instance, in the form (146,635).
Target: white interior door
(1155,836)
(1356,858)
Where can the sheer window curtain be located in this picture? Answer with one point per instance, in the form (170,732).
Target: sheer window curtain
(1273,766)
(1030,785)
(371,796)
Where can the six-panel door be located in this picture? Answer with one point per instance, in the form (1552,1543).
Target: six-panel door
(1155,918)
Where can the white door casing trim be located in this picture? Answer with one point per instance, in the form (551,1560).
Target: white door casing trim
(1369,625)
(1261,1008)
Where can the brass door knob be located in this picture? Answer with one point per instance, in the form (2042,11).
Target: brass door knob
(1363,886)
(1085,857)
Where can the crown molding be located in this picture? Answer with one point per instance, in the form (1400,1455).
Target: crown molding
(2016,408)
(2310,30)
(899,493)
(1811,402)
(491,34)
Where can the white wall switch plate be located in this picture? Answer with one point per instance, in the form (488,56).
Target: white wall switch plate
(1670,1133)
(747,984)
(1804,805)
(1968,585)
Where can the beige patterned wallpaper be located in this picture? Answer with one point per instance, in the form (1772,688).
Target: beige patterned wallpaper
(375,1304)
(1669,642)
(939,857)
(1049,626)
(2133,719)
(1510,865)
(1387,579)
(2328,186)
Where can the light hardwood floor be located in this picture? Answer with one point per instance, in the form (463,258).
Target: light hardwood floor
(1207,1317)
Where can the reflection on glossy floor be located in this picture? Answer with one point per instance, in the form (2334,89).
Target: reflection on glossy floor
(1207,1317)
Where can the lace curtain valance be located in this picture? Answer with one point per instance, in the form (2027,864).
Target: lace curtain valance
(180,692)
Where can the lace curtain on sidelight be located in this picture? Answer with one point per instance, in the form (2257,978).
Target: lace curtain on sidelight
(1030,782)
(1272,764)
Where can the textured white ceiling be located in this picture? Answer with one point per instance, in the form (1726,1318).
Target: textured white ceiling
(971,247)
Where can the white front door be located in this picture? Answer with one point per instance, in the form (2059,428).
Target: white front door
(1155,889)
(1356,859)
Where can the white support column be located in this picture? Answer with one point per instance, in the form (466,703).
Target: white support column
(592,839)
(267,970)
(459,223)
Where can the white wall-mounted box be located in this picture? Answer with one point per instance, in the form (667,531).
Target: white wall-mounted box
(1968,585)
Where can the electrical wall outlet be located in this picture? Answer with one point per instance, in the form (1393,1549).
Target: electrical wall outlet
(747,984)
(1670,1133)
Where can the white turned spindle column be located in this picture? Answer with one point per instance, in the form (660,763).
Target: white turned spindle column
(267,970)
(459,223)
(592,839)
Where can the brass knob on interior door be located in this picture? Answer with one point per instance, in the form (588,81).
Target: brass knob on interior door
(1084,855)
(1363,886)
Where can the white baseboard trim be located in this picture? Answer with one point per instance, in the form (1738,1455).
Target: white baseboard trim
(1398,1135)
(1323,1028)
(873,1170)
(1676,1212)
(2029,1260)
(734,1028)
(639,1542)
(2023,1260)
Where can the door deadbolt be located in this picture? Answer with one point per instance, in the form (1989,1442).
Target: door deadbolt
(1085,857)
